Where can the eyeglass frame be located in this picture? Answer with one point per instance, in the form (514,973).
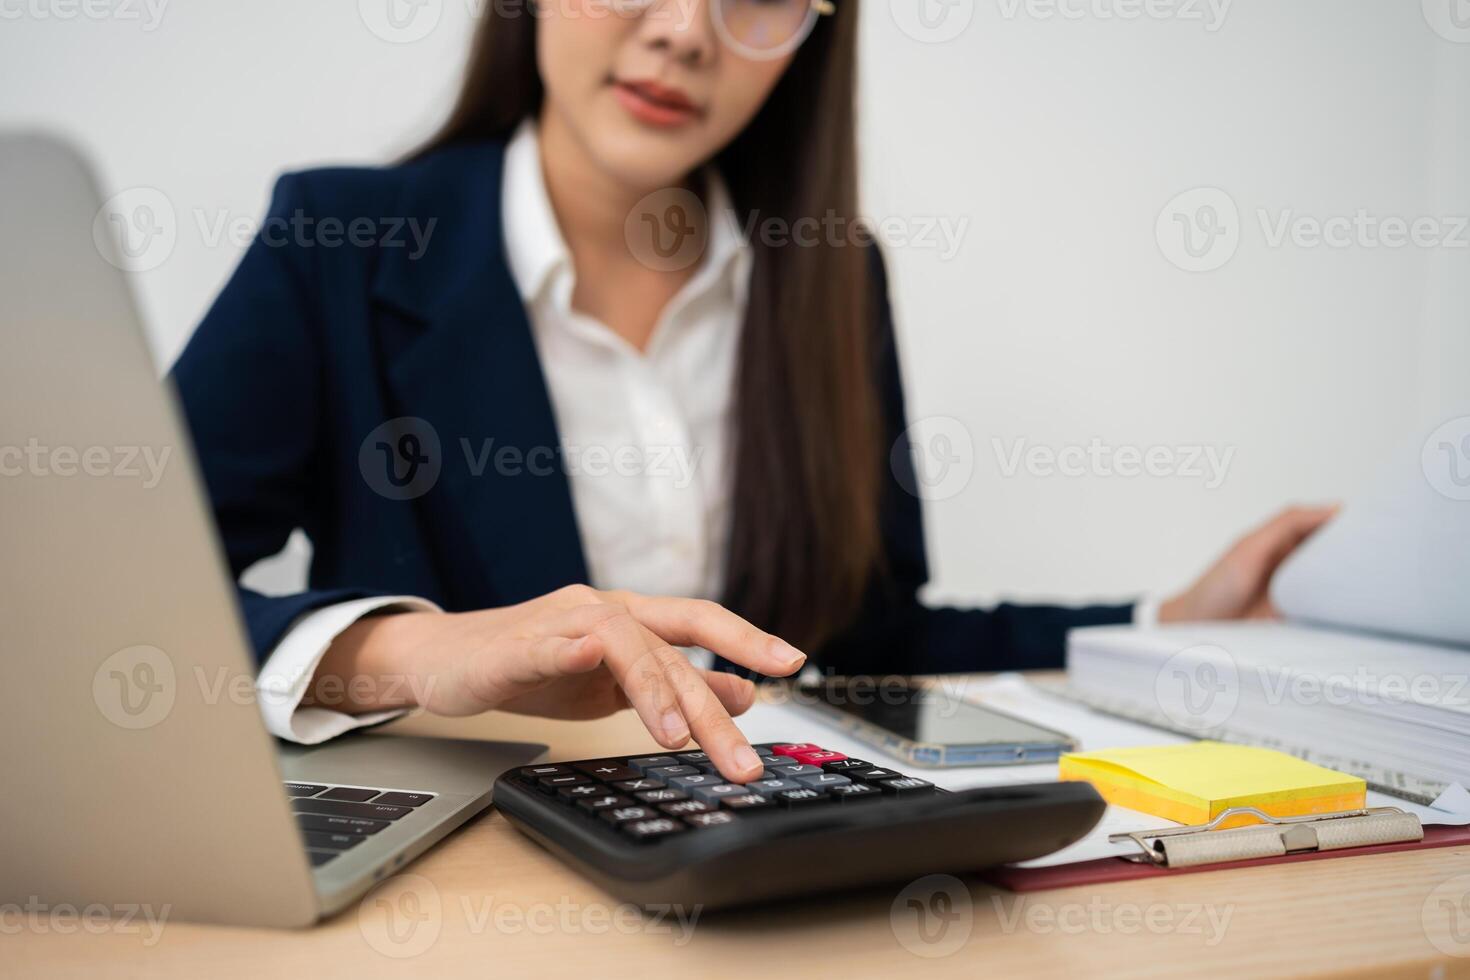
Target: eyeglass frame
(816,9)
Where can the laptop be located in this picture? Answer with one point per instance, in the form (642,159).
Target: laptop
(137,768)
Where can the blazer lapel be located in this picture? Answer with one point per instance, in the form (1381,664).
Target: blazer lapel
(461,356)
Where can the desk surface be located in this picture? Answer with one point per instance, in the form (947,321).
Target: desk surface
(508,909)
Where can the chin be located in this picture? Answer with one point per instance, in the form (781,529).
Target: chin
(648,160)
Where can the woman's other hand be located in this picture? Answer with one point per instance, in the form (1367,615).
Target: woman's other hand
(1238,586)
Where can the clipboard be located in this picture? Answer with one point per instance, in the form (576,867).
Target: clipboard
(1275,840)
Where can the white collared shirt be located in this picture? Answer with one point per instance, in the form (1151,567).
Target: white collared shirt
(646,435)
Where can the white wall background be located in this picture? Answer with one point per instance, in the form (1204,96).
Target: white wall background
(1057,133)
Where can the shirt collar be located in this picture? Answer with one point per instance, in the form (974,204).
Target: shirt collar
(537,252)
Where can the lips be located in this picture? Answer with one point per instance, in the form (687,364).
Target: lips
(655,104)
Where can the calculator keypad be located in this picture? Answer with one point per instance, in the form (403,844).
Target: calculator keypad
(649,798)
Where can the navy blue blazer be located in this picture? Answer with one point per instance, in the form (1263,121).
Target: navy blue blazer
(317,340)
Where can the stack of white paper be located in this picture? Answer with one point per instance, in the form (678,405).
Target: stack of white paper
(1369,674)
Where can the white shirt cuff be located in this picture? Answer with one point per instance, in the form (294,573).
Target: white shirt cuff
(288,671)
(1146,612)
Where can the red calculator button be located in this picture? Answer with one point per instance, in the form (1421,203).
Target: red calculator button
(795,749)
(820,757)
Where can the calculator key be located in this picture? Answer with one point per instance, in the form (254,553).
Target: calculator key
(718,818)
(638,785)
(536,772)
(800,797)
(871,774)
(855,791)
(609,772)
(693,758)
(798,769)
(624,813)
(906,786)
(551,784)
(687,783)
(647,762)
(405,799)
(770,787)
(584,791)
(750,801)
(596,804)
(651,829)
(842,765)
(767,759)
(685,808)
(662,796)
(795,748)
(717,792)
(767,772)
(823,780)
(821,758)
(667,773)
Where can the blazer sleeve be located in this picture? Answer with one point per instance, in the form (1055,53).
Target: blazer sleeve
(894,632)
(248,383)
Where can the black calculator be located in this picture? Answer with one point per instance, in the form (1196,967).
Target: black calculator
(669,829)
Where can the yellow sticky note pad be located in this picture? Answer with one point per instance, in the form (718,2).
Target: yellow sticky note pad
(1193,783)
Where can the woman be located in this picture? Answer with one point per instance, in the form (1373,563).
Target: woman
(416,409)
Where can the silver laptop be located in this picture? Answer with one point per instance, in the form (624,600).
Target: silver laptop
(137,770)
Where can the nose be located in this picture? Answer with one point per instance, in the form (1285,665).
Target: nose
(682,28)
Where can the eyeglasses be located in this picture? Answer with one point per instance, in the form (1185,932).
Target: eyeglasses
(760,30)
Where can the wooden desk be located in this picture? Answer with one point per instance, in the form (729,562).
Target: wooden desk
(508,910)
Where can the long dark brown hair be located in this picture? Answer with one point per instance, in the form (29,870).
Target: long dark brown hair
(805,536)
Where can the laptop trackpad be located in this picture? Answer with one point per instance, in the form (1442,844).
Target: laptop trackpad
(436,765)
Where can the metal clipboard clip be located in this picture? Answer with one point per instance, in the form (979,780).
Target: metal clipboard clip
(1186,847)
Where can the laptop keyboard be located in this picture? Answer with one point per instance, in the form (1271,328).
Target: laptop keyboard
(335,819)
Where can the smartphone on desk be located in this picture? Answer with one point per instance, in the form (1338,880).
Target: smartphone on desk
(926,726)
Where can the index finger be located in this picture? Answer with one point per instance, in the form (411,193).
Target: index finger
(700,622)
